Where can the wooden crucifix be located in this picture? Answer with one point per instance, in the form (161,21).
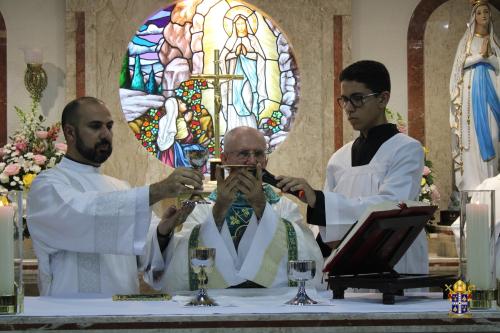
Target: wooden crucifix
(216,82)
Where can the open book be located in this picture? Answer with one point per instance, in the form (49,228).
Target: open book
(379,239)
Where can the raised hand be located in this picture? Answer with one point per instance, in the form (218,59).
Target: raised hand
(182,180)
(226,193)
(251,187)
(298,184)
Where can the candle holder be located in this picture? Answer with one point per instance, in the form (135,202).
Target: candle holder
(477,246)
(11,254)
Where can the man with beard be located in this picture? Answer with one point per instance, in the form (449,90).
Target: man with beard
(92,233)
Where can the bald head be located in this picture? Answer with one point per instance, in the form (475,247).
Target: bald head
(237,134)
(241,140)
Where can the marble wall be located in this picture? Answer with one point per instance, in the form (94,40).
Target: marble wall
(445,27)
(34,24)
(308,25)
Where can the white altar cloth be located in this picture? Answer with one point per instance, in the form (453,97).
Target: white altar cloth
(236,301)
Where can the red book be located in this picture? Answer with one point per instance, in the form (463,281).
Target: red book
(379,239)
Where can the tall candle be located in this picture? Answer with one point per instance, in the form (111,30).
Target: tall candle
(478,245)
(6,250)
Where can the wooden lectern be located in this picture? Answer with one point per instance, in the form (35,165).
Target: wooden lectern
(367,254)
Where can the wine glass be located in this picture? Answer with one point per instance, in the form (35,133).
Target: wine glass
(202,260)
(197,158)
(301,271)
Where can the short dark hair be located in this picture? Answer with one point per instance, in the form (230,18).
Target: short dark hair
(372,73)
(70,112)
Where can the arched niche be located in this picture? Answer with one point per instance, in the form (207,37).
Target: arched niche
(434,32)
(3,82)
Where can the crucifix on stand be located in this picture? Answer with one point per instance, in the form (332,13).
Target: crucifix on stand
(216,82)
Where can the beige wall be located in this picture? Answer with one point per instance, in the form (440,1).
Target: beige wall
(379,32)
(35,24)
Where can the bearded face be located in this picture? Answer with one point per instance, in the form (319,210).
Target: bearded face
(97,152)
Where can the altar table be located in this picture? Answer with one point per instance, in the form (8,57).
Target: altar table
(249,311)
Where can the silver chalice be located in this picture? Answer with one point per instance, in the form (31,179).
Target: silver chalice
(202,260)
(301,271)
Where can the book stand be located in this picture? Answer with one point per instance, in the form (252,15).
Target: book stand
(366,257)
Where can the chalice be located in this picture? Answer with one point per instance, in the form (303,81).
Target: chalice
(202,260)
(197,159)
(301,271)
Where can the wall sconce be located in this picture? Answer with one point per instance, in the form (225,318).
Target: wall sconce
(35,77)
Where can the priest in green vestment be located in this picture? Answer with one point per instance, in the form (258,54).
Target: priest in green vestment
(254,230)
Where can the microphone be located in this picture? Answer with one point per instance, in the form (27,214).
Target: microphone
(270,179)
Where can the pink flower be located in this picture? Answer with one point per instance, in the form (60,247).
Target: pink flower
(42,134)
(12,169)
(435,196)
(402,129)
(39,159)
(426,171)
(21,145)
(61,146)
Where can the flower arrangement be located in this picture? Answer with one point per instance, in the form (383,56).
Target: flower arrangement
(31,149)
(428,190)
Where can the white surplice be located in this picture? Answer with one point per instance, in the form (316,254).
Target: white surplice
(91,233)
(393,174)
(256,259)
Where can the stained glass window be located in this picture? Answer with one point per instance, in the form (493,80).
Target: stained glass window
(170,112)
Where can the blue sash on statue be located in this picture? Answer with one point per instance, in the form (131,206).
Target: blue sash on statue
(484,94)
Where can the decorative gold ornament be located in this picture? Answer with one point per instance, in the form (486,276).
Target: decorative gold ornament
(460,297)
(476,3)
(35,81)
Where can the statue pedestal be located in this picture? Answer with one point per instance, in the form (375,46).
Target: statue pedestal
(443,257)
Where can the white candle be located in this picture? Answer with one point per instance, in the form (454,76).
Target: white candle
(6,250)
(478,245)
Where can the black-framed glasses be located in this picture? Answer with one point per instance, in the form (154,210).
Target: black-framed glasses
(357,100)
(246,154)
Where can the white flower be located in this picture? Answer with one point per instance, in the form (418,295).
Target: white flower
(29,155)
(4,178)
(35,168)
(51,163)
(2,166)
(16,178)
(13,183)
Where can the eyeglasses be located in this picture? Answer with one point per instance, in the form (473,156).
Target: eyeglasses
(357,100)
(246,154)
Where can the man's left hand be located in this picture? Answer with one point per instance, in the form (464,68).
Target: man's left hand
(173,217)
(251,187)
